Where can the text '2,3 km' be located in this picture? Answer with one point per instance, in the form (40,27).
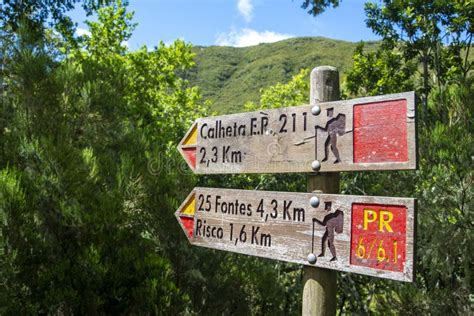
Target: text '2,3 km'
(373,133)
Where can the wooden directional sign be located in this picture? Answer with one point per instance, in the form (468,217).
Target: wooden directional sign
(374,133)
(367,235)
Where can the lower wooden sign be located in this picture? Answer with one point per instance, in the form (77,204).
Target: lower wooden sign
(367,235)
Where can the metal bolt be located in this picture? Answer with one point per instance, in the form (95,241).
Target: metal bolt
(314,201)
(316,165)
(315,110)
(312,258)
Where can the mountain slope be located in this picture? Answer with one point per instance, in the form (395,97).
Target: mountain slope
(230,76)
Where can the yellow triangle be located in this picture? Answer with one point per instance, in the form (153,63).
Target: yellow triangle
(189,207)
(192,137)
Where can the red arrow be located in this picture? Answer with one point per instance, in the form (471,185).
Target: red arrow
(187,146)
(185,215)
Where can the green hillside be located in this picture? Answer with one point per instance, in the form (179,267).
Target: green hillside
(230,76)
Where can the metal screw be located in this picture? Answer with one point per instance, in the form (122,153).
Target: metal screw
(316,165)
(315,110)
(312,258)
(314,201)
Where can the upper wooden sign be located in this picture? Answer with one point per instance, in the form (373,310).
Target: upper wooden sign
(374,133)
(361,234)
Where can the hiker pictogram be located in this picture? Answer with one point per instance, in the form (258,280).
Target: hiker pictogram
(334,127)
(334,223)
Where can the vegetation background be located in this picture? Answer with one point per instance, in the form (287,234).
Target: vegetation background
(90,176)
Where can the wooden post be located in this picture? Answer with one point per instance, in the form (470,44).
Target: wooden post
(320,285)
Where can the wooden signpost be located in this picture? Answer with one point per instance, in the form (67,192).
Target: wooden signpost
(374,133)
(361,234)
(324,232)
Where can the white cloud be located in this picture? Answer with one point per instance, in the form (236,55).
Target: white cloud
(249,37)
(82,32)
(246,9)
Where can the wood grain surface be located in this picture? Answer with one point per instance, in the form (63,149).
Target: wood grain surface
(368,235)
(373,133)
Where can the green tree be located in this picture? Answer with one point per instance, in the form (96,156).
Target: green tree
(294,92)
(34,15)
(82,212)
(379,72)
(316,7)
(438,34)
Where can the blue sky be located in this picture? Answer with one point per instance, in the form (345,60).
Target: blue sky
(238,22)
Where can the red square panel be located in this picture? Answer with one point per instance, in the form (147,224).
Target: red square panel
(378,236)
(380,132)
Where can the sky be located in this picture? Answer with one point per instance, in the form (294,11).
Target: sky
(238,23)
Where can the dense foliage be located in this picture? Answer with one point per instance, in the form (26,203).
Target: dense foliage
(90,177)
(81,214)
(426,46)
